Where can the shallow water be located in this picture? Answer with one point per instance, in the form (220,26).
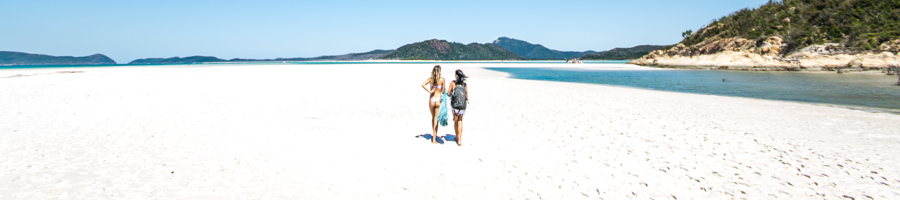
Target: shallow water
(854,90)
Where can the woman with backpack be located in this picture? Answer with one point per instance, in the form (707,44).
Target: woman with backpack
(435,87)
(459,97)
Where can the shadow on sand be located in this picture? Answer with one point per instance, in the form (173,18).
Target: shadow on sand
(440,139)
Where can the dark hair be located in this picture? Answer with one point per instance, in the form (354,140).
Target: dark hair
(460,76)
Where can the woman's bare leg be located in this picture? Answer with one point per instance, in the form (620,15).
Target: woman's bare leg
(458,126)
(435,109)
(455,128)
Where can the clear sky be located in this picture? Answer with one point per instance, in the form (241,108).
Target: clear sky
(126,30)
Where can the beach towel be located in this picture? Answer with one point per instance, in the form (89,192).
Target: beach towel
(442,115)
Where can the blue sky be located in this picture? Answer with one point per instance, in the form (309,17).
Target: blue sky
(128,30)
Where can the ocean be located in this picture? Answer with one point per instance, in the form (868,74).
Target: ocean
(870,92)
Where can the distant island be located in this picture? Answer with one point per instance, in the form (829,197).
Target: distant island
(10,58)
(503,48)
(442,50)
(202,59)
(176,60)
(832,35)
(537,51)
(622,53)
(370,55)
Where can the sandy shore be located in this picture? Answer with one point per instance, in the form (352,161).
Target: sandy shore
(350,132)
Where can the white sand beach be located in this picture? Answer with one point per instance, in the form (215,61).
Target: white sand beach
(350,132)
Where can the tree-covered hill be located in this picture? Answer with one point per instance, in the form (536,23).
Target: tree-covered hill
(442,50)
(201,59)
(537,51)
(176,60)
(858,25)
(357,56)
(622,53)
(352,56)
(19,58)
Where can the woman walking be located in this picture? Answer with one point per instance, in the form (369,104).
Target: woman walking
(459,96)
(435,87)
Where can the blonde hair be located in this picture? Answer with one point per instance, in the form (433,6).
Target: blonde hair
(435,74)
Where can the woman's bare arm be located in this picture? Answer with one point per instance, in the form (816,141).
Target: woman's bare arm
(443,86)
(425,86)
(451,87)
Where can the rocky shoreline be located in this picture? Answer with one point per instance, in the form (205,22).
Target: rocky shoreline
(748,55)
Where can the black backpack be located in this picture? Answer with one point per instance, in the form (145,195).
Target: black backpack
(458,97)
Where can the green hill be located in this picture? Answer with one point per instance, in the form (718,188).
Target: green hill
(858,25)
(622,53)
(442,50)
(18,58)
(537,51)
(201,59)
(352,56)
(176,60)
(356,56)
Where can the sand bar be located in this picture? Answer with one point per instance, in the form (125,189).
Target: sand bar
(349,132)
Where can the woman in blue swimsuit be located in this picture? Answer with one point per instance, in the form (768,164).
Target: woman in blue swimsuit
(435,87)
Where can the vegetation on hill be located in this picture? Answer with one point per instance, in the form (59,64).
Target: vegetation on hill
(352,56)
(442,50)
(859,25)
(176,60)
(360,56)
(19,58)
(201,59)
(622,53)
(537,51)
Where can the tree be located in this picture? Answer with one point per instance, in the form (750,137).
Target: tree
(686,33)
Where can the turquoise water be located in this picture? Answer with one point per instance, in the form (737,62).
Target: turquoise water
(431,62)
(854,90)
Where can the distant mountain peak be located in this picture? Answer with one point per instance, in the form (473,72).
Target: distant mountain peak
(512,40)
(536,51)
(436,49)
(440,45)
